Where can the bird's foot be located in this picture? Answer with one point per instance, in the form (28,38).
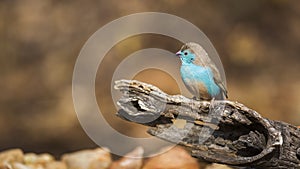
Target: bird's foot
(196,98)
(212,102)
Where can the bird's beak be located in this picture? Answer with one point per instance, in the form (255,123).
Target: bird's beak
(178,53)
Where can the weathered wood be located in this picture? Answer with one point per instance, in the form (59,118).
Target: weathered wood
(218,131)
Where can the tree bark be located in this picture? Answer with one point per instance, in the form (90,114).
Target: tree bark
(219,131)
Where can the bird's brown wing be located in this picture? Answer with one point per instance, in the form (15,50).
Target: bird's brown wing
(218,79)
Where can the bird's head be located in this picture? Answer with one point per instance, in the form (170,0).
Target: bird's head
(186,54)
(192,53)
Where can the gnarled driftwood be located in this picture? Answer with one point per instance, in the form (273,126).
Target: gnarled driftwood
(218,131)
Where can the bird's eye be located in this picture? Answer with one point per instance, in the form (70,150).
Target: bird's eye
(185,53)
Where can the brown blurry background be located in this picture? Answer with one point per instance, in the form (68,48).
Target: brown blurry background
(258,42)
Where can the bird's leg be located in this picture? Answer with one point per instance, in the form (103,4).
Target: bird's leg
(212,102)
(196,98)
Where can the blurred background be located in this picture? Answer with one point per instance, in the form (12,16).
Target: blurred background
(258,42)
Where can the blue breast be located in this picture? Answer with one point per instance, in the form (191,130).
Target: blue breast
(193,73)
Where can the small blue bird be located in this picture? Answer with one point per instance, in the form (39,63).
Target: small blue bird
(199,74)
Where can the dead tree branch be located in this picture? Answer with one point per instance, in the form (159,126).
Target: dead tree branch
(220,131)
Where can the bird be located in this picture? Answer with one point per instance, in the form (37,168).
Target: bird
(200,74)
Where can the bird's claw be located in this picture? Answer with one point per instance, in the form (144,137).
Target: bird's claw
(196,98)
(212,102)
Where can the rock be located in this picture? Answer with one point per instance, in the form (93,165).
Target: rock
(132,160)
(39,161)
(88,159)
(217,166)
(13,155)
(15,159)
(10,156)
(175,158)
(18,165)
(32,158)
(56,165)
